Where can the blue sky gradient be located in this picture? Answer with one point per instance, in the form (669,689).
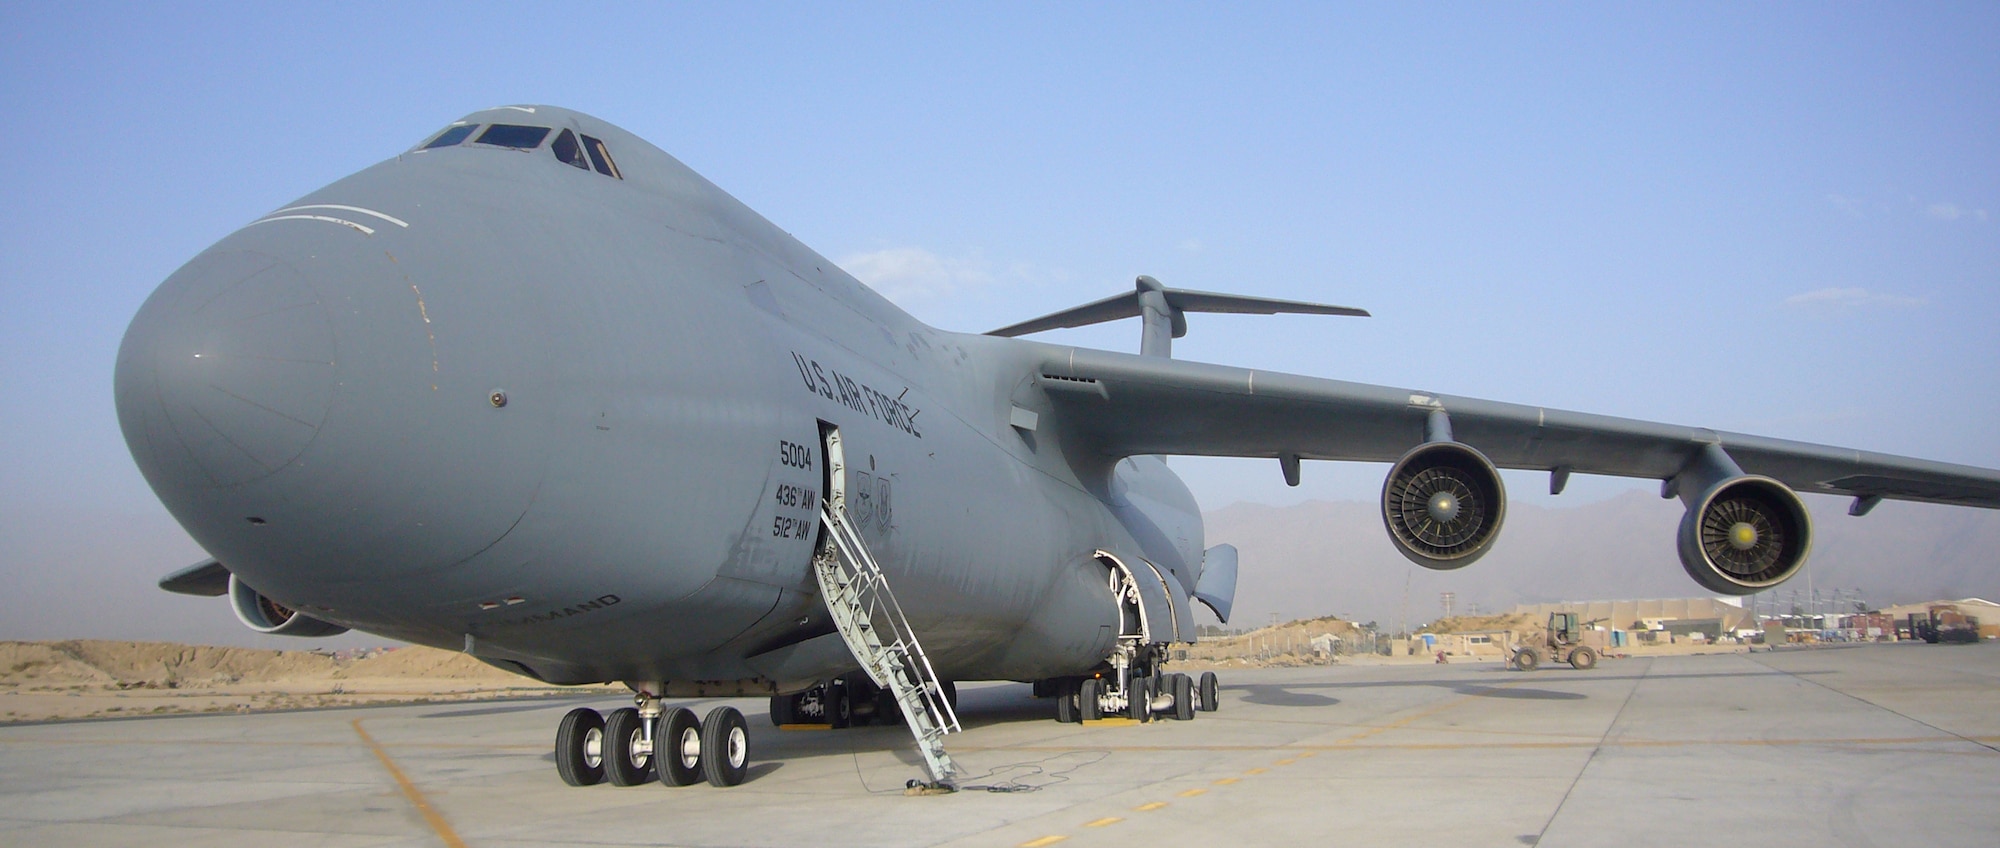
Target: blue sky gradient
(1777,218)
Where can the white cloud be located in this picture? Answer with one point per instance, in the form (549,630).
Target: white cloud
(1192,245)
(1851,298)
(904,274)
(1849,205)
(1953,212)
(1942,210)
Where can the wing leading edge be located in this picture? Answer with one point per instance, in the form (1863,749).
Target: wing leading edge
(1118,405)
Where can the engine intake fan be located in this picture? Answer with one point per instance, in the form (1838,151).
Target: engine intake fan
(1443,504)
(264,615)
(1745,535)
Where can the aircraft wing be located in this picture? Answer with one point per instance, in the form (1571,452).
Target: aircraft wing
(1119,405)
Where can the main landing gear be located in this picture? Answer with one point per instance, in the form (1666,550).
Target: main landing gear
(635,745)
(1136,696)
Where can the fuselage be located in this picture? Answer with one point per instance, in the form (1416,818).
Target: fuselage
(566,410)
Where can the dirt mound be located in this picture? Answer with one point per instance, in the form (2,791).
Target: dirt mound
(150,663)
(41,664)
(1522,625)
(428,663)
(173,666)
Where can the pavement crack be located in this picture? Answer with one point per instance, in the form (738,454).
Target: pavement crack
(1602,740)
(1890,710)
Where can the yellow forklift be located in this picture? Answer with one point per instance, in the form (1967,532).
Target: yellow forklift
(1563,642)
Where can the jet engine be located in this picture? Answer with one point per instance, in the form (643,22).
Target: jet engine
(1443,504)
(264,615)
(1744,534)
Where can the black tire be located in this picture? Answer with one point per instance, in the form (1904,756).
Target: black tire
(862,698)
(1066,711)
(624,763)
(1138,703)
(1087,706)
(839,707)
(950,695)
(1526,659)
(677,748)
(1211,692)
(725,746)
(580,747)
(784,710)
(1583,659)
(887,711)
(1183,697)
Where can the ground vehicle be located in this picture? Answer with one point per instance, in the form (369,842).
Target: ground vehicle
(1564,643)
(1944,625)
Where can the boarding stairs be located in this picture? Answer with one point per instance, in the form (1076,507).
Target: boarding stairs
(869,619)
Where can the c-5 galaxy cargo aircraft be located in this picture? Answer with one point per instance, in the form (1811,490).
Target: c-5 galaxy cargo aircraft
(535,390)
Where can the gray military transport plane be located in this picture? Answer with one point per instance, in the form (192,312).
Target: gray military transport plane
(536,391)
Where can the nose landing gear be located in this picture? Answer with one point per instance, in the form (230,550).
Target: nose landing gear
(636,744)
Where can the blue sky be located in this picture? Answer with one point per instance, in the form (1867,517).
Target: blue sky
(1776,218)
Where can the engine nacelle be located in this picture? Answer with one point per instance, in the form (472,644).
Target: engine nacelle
(1443,504)
(1744,535)
(264,615)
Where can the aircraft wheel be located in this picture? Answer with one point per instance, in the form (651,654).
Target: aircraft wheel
(784,710)
(950,695)
(677,748)
(1183,697)
(1065,701)
(580,747)
(1087,706)
(1139,701)
(1210,692)
(1583,659)
(725,745)
(887,711)
(1526,659)
(839,707)
(624,761)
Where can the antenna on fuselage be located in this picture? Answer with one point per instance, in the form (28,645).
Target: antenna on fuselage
(1164,311)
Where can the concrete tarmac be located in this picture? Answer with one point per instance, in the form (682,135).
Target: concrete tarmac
(1866,745)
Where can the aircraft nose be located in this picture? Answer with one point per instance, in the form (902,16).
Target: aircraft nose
(241,356)
(288,398)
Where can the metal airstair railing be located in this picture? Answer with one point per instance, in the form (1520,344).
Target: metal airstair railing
(869,619)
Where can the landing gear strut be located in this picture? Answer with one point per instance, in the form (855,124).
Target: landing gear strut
(636,744)
(1135,686)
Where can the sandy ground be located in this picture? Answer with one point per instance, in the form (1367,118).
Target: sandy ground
(81,679)
(52,681)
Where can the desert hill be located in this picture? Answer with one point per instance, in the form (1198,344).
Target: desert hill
(169,665)
(88,678)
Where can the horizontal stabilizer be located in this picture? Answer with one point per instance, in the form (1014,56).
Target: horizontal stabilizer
(1128,305)
(207,578)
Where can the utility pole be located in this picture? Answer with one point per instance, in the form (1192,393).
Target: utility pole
(1403,613)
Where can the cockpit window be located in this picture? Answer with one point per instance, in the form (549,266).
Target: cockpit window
(567,152)
(512,135)
(601,157)
(451,136)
